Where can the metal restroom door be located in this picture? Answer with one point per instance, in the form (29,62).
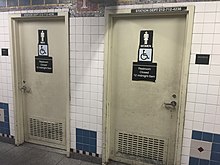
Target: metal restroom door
(143,114)
(44,68)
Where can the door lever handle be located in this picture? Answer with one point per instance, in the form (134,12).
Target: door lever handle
(25,89)
(172,104)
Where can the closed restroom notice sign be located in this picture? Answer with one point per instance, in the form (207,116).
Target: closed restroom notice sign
(145,69)
(43,63)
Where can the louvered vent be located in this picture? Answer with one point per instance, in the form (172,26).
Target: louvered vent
(150,149)
(50,131)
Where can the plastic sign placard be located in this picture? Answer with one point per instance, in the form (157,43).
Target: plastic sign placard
(43,63)
(144,69)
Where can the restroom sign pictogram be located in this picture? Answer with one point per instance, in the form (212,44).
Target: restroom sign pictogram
(144,69)
(42,37)
(43,63)
(146,38)
(43,50)
(145,55)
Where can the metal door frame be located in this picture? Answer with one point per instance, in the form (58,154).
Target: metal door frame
(17,73)
(112,13)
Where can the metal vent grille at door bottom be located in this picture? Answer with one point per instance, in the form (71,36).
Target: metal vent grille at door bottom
(44,130)
(145,148)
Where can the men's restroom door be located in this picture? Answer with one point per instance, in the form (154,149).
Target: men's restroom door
(43,81)
(143,114)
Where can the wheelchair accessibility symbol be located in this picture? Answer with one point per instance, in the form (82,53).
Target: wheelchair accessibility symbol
(145,54)
(42,50)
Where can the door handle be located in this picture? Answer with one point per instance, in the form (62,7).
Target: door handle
(172,104)
(24,88)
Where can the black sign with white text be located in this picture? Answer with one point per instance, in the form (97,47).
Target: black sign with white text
(146,38)
(39,14)
(159,10)
(42,37)
(44,64)
(144,72)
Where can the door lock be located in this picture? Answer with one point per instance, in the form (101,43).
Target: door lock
(171,105)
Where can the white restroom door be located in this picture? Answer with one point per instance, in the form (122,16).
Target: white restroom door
(46,97)
(142,128)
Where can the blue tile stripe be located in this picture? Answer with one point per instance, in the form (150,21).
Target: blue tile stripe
(215,150)
(86,140)
(4,126)
(197,161)
(205,136)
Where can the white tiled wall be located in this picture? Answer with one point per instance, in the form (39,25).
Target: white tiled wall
(6,95)
(86,69)
(203,98)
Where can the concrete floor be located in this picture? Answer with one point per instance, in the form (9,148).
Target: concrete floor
(29,154)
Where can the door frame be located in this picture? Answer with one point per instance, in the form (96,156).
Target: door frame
(112,13)
(17,73)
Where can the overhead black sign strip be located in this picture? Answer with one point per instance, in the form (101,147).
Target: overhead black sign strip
(50,14)
(159,10)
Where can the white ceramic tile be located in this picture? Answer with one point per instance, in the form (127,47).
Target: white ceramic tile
(213,89)
(193,57)
(200,7)
(217,119)
(185,150)
(206,49)
(218,17)
(187,133)
(189,116)
(207,127)
(190,106)
(203,79)
(209,17)
(94,30)
(197,125)
(207,38)
(87,21)
(216,49)
(199,107)
(193,68)
(216,39)
(193,78)
(79,29)
(79,21)
(94,20)
(101,21)
(202,88)
(199,18)
(191,88)
(212,99)
(210,109)
(214,80)
(199,117)
(188,124)
(217,27)
(86,29)
(184,160)
(210,7)
(198,28)
(215,70)
(209,28)
(209,118)
(218,6)
(201,98)
(217,128)
(215,60)
(204,69)
(197,38)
